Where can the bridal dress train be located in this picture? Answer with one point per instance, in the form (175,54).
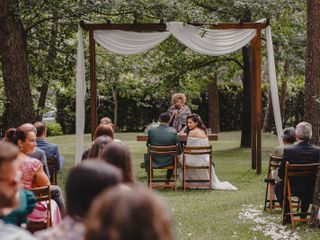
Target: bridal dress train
(203,160)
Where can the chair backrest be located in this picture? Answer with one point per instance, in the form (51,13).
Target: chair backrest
(162,150)
(197,150)
(274,161)
(52,170)
(43,194)
(301,170)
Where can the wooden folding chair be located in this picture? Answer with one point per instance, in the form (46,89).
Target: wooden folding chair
(161,151)
(42,194)
(274,164)
(301,171)
(198,151)
(52,170)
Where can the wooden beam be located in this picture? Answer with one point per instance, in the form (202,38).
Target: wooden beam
(160,27)
(157,27)
(258,99)
(253,105)
(93,83)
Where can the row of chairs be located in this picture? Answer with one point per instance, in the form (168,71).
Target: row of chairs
(173,151)
(294,203)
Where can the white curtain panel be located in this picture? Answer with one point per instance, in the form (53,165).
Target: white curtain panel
(211,42)
(203,41)
(274,86)
(129,43)
(80,101)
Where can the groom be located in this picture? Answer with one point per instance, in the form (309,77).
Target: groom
(162,136)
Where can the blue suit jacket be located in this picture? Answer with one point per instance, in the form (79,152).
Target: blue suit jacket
(51,151)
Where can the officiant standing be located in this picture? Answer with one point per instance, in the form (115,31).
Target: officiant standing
(179,112)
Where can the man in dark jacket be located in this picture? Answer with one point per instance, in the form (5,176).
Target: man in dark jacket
(162,136)
(301,153)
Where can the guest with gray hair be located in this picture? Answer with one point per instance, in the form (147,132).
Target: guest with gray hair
(304,131)
(301,153)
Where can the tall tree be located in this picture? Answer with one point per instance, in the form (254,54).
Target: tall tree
(312,89)
(312,82)
(13,50)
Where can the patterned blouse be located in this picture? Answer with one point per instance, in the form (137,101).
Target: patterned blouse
(28,167)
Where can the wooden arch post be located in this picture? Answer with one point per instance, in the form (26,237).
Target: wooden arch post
(256,109)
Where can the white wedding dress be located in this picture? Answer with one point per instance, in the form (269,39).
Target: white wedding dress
(203,160)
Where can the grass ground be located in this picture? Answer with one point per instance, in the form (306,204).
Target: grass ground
(203,214)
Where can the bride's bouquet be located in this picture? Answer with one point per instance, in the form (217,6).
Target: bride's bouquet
(151,125)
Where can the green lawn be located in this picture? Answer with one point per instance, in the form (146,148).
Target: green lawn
(203,214)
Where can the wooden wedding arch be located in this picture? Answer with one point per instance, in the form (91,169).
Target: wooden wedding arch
(256,108)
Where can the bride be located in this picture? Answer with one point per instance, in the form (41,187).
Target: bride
(197,137)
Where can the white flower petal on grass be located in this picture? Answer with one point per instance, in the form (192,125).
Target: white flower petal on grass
(266,224)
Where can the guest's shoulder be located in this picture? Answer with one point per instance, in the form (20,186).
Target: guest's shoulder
(172,130)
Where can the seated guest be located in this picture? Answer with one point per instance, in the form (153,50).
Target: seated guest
(131,214)
(118,154)
(98,146)
(162,136)
(9,199)
(85,181)
(51,150)
(101,130)
(37,153)
(288,137)
(197,137)
(301,153)
(33,174)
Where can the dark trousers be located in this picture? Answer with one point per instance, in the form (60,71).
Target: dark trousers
(146,164)
(56,195)
(305,200)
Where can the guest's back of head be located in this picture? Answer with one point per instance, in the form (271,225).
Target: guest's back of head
(131,214)
(289,135)
(103,130)
(85,182)
(304,131)
(98,146)
(118,154)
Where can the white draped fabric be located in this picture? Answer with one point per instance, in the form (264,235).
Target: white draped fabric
(80,102)
(274,86)
(211,42)
(204,41)
(128,43)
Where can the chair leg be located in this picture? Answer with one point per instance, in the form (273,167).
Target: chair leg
(184,175)
(271,192)
(210,175)
(266,197)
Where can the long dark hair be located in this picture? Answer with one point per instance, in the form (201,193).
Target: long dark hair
(98,146)
(197,119)
(118,154)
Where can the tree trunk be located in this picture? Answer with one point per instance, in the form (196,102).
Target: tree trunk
(13,49)
(284,86)
(213,99)
(314,219)
(246,103)
(312,83)
(268,122)
(115,107)
(312,87)
(49,66)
